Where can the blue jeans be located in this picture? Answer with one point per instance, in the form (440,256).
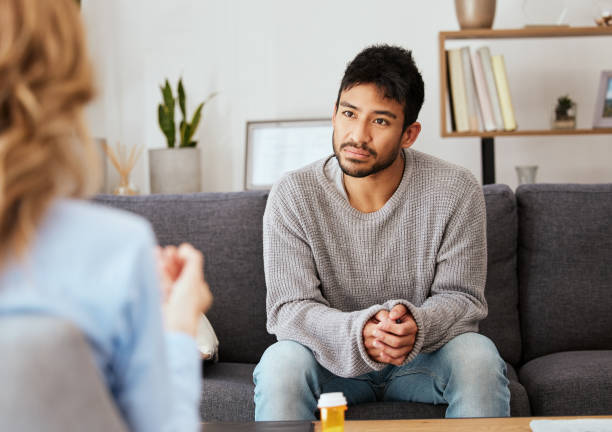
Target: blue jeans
(467,374)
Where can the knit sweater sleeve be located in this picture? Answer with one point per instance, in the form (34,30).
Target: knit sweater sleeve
(456,302)
(296,308)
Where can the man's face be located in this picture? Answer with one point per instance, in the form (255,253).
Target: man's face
(367,131)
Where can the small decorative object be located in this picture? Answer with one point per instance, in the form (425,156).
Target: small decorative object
(176,170)
(605,20)
(124,166)
(603,13)
(526,174)
(565,113)
(603,106)
(475,13)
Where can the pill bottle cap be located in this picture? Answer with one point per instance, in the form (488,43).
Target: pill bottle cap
(328,400)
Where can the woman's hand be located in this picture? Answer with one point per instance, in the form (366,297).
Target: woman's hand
(186,295)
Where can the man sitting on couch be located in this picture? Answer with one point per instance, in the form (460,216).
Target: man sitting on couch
(375,262)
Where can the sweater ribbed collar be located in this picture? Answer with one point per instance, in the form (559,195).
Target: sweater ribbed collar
(342,203)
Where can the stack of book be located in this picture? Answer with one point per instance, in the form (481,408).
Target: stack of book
(479,94)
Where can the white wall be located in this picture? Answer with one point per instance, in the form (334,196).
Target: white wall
(283,59)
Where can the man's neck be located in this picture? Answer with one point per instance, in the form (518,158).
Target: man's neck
(369,194)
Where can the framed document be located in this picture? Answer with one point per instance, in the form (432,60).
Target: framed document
(276,147)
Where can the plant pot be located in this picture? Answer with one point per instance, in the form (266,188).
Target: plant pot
(564,120)
(475,13)
(175,170)
(566,123)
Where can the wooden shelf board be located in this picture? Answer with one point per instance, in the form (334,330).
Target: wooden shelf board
(550,132)
(527,32)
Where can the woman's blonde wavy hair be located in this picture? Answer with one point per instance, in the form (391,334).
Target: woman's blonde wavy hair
(45,82)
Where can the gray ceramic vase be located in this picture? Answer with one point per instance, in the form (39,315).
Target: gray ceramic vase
(175,170)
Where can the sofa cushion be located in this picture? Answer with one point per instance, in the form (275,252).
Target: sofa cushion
(565,276)
(227,228)
(569,383)
(519,401)
(502,324)
(228,392)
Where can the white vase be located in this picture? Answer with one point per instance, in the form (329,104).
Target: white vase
(175,170)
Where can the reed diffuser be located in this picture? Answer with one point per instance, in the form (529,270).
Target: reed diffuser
(124,163)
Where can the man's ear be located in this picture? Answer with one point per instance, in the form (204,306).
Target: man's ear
(334,114)
(411,134)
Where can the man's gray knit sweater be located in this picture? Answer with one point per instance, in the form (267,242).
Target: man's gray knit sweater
(329,267)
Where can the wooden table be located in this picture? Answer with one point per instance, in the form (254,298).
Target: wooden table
(511,424)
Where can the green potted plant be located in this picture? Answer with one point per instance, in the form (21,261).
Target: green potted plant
(565,113)
(176,168)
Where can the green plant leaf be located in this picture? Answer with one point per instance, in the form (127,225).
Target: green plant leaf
(210,96)
(165,114)
(185,132)
(166,124)
(161,118)
(181,133)
(168,96)
(195,120)
(182,98)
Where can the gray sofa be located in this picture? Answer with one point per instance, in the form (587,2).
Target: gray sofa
(549,289)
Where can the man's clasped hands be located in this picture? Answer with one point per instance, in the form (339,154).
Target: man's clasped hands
(390,335)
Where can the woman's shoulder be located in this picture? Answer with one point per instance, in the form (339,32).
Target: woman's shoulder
(85,222)
(86,212)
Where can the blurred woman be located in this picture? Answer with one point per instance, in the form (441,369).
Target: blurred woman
(91,265)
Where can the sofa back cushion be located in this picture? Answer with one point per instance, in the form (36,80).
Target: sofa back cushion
(502,324)
(227,228)
(565,271)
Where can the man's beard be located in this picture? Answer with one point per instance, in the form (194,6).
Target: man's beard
(364,172)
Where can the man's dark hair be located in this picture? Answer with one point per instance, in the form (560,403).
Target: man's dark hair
(393,71)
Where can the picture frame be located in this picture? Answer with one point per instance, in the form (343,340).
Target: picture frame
(275,147)
(603,105)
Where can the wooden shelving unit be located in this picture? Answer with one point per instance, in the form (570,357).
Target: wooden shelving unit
(549,132)
(487,138)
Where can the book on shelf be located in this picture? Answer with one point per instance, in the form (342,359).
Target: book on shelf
(503,92)
(470,90)
(486,109)
(485,60)
(457,90)
(450,99)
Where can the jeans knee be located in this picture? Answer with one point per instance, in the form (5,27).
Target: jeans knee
(283,364)
(478,385)
(476,358)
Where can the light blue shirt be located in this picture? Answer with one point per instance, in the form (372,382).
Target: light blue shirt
(95,266)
